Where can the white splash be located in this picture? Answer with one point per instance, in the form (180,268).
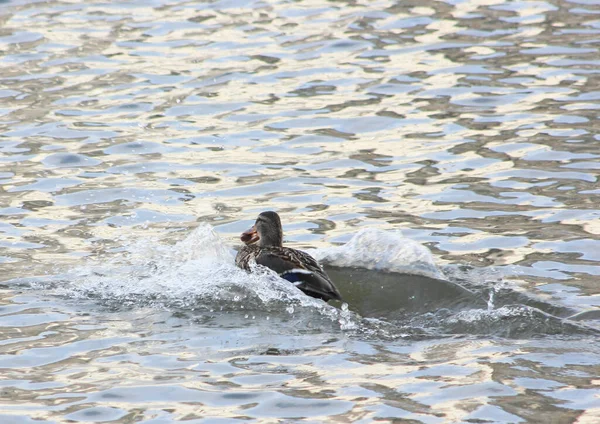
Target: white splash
(380,250)
(199,271)
(199,274)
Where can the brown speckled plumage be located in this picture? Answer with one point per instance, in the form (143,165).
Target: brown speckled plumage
(293,265)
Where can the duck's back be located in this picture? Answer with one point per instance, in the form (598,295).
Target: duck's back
(296,266)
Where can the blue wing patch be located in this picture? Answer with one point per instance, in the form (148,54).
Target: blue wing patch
(296,276)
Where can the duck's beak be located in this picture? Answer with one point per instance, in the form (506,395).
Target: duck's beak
(250,236)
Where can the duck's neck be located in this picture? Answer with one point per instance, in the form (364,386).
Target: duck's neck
(274,239)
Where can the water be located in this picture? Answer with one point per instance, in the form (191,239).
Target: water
(440,158)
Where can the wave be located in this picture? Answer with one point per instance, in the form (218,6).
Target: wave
(380,250)
(392,285)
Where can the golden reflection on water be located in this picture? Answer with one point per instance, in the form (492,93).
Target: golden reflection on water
(471,126)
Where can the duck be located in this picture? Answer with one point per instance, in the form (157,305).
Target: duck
(263,244)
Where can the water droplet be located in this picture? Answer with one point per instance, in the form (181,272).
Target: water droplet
(490,302)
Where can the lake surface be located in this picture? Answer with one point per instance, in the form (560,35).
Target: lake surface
(441,159)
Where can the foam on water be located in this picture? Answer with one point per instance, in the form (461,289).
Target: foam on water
(380,250)
(196,275)
(197,272)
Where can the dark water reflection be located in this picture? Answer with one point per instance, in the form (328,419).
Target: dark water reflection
(470,126)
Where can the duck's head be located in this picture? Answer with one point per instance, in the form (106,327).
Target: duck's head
(266,230)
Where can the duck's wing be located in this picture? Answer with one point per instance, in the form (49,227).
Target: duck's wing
(301,269)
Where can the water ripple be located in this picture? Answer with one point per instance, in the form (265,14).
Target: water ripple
(469,126)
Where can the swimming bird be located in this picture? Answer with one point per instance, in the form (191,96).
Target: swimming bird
(263,244)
